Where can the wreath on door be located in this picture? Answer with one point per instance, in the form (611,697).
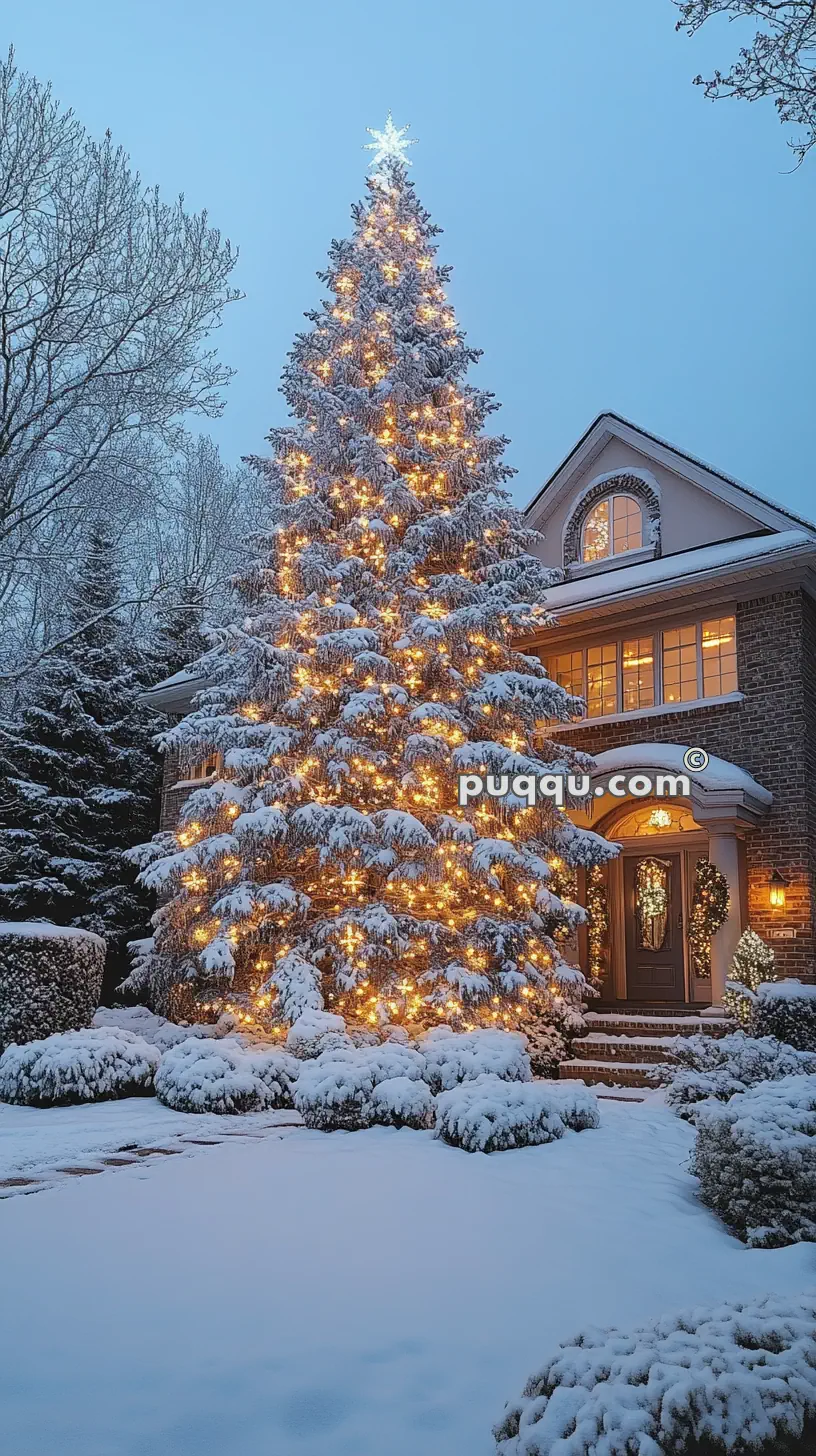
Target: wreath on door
(709,910)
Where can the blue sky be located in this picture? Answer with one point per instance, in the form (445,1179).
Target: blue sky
(618,242)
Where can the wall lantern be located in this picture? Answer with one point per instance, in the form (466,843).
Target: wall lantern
(776,890)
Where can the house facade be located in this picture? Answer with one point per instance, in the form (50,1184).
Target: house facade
(686,619)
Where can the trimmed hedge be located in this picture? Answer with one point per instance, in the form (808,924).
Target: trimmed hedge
(786,1010)
(755,1158)
(78,1066)
(50,979)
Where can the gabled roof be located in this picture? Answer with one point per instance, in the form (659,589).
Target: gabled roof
(724,487)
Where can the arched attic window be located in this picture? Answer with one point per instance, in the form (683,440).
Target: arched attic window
(614,525)
(618,513)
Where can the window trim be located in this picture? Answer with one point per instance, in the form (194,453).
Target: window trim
(656,631)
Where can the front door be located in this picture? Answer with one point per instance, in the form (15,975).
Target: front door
(654,927)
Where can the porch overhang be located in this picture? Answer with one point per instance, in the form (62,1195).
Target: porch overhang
(724,798)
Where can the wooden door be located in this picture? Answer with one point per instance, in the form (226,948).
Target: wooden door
(653,910)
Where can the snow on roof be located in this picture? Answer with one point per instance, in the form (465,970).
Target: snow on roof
(717,774)
(45,929)
(683,564)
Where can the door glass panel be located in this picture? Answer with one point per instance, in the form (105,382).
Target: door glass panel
(652,897)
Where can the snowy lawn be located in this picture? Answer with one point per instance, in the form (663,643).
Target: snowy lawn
(352,1294)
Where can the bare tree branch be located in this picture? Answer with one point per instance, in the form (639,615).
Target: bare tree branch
(780,63)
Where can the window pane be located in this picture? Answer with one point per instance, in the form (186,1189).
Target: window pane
(602,680)
(567,670)
(680,664)
(638,673)
(627,524)
(596,533)
(719,657)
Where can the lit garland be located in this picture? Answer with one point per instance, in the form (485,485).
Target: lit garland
(709,910)
(597,907)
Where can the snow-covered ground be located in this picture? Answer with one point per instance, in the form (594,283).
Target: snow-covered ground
(354,1294)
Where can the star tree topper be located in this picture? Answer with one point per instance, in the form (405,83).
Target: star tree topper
(389,145)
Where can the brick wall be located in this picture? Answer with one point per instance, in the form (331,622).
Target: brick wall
(772,734)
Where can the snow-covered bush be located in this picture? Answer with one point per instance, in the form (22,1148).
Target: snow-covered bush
(755,1158)
(78,1066)
(733,1378)
(719,1067)
(335,1090)
(315,1032)
(787,1010)
(577,1106)
(489,1115)
(201,1075)
(157,1029)
(50,979)
(452,1057)
(402,1102)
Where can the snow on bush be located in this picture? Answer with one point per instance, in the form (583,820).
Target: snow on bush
(577,1106)
(452,1057)
(489,1115)
(201,1075)
(787,1010)
(719,1067)
(50,979)
(730,1377)
(314,1032)
(755,1158)
(157,1029)
(335,1090)
(402,1102)
(78,1066)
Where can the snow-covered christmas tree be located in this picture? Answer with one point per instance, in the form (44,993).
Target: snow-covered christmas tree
(78,773)
(330,864)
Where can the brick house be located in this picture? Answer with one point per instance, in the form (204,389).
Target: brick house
(686,620)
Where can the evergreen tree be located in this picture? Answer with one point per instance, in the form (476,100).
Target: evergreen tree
(78,775)
(330,863)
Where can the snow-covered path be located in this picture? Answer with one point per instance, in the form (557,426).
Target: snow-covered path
(346,1295)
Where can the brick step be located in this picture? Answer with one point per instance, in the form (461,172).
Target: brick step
(623,1024)
(598,1047)
(625,1074)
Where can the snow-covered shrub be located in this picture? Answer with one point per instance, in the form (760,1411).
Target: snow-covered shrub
(315,1032)
(787,1010)
(402,1102)
(201,1075)
(719,1067)
(158,1030)
(78,1066)
(733,1378)
(335,1089)
(452,1057)
(50,979)
(576,1104)
(489,1115)
(755,1158)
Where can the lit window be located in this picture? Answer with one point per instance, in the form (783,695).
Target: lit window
(613,526)
(206,768)
(567,669)
(719,657)
(638,674)
(602,680)
(680,665)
